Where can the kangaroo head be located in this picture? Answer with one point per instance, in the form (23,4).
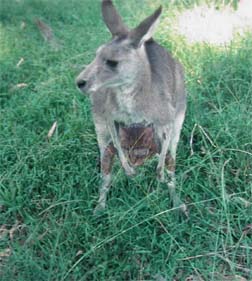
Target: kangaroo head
(122,62)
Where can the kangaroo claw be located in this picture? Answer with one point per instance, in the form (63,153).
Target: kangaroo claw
(160,174)
(130,171)
(99,209)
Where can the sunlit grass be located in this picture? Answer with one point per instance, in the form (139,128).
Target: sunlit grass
(4,47)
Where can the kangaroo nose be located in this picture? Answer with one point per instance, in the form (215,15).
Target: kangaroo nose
(81,84)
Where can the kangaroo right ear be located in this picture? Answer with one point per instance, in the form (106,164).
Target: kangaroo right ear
(144,31)
(148,135)
(112,19)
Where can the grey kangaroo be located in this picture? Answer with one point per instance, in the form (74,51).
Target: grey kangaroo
(134,80)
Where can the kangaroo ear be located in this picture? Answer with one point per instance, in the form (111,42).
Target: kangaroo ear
(112,19)
(144,31)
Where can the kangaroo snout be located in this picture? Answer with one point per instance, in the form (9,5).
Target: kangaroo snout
(81,84)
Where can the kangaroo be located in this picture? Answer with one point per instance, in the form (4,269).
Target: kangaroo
(134,80)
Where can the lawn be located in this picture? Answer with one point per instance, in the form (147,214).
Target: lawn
(49,184)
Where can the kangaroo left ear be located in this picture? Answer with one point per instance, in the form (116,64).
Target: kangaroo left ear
(145,30)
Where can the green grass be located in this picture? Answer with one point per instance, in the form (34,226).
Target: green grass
(48,189)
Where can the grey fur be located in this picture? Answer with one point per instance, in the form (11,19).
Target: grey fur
(134,80)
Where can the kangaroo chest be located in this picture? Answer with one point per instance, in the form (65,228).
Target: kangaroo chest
(128,111)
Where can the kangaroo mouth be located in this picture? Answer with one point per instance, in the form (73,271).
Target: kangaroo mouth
(137,163)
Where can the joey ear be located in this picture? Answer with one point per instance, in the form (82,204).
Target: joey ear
(145,30)
(123,133)
(148,135)
(112,19)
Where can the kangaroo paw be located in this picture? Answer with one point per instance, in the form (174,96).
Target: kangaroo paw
(181,206)
(160,174)
(99,209)
(130,171)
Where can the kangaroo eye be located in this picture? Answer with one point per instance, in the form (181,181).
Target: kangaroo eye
(112,63)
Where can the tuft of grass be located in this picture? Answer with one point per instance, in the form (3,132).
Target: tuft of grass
(48,188)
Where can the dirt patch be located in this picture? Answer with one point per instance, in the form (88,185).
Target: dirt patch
(210,25)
